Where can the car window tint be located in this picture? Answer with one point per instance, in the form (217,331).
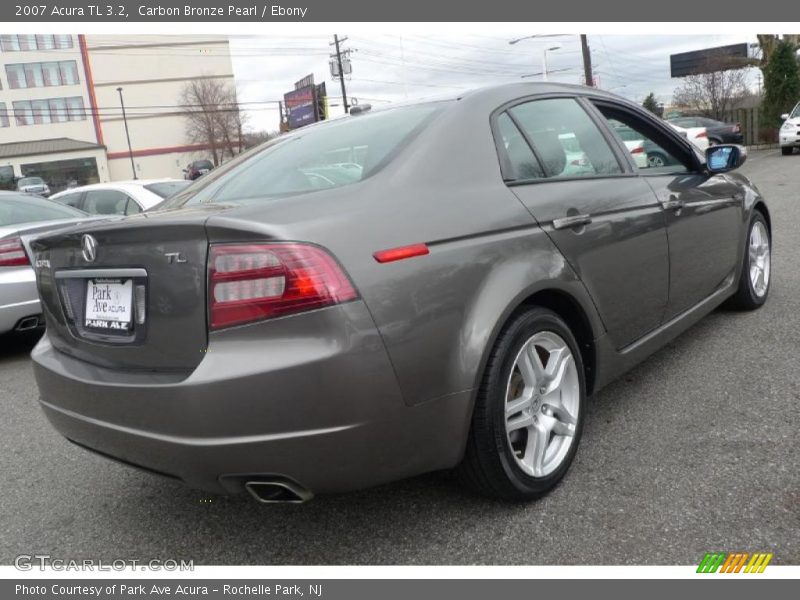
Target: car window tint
(520,162)
(565,138)
(105,202)
(69,199)
(652,151)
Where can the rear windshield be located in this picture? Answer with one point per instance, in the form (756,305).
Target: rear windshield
(325,156)
(31,181)
(202,164)
(28,209)
(165,189)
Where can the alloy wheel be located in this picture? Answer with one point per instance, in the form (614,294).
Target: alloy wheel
(542,404)
(759,258)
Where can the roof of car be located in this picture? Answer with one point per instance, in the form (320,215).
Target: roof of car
(123,185)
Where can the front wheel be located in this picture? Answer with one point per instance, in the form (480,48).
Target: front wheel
(528,415)
(786,150)
(757,266)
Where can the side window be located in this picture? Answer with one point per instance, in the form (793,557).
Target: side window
(73,200)
(521,164)
(654,152)
(132,207)
(105,202)
(565,138)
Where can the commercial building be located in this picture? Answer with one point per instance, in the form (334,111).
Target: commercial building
(61,105)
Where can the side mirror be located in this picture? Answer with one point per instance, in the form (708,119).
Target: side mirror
(725,157)
(785,116)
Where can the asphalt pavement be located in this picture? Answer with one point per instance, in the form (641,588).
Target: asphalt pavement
(695,450)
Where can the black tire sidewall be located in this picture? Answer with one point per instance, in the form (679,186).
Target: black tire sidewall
(520,331)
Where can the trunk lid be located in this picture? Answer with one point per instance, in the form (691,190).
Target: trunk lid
(135,300)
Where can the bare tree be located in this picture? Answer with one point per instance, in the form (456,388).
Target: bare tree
(714,92)
(254,138)
(213,117)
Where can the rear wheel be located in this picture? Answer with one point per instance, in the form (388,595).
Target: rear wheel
(528,415)
(756,269)
(656,159)
(786,150)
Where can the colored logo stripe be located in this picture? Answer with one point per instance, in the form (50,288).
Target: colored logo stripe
(733,563)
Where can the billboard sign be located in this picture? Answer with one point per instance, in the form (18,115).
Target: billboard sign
(706,61)
(301,106)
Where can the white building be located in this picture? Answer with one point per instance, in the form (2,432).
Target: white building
(60,111)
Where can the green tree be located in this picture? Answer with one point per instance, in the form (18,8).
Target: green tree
(651,104)
(781,83)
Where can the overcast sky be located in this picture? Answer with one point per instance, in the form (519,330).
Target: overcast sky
(389,67)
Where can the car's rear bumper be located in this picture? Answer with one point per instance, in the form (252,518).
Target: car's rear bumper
(18,297)
(324,411)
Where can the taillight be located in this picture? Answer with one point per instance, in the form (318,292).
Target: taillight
(638,150)
(12,253)
(702,134)
(737,128)
(252,282)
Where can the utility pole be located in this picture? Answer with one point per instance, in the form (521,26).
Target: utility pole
(127,134)
(336,41)
(587,61)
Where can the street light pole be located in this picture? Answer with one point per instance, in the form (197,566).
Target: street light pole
(127,133)
(544,61)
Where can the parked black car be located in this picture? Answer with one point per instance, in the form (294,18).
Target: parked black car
(718,132)
(197,168)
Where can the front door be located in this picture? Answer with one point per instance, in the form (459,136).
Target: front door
(703,212)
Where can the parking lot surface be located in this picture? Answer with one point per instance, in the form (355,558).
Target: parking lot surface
(695,450)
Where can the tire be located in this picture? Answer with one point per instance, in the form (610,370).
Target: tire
(751,294)
(493,463)
(714,142)
(786,150)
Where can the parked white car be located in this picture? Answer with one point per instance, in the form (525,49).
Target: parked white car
(789,135)
(120,197)
(697,135)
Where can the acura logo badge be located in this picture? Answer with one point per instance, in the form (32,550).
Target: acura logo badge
(89,245)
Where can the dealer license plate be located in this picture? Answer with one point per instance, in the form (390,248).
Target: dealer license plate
(108,304)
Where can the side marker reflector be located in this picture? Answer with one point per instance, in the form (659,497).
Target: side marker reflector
(403,252)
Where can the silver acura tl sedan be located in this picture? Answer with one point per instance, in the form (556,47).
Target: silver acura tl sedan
(398,291)
(22,217)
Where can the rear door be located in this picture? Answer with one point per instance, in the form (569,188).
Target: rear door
(604,219)
(703,212)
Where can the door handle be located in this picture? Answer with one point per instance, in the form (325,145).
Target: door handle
(572,221)
(672,204)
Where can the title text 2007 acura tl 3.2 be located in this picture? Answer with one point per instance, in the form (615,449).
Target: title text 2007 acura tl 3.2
(430,286)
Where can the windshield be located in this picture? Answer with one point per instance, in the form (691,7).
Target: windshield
(31,181)
(326,156)
(30,209)
(796,112)
(165,189)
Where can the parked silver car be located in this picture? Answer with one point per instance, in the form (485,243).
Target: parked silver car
(21,217)
(292,325)
(33,185)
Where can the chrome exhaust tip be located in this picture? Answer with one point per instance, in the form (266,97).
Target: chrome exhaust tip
(278,491)
(27,324)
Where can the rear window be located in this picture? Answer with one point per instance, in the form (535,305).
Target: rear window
(15,210)
(30,181)
(325,156)
(165,189)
